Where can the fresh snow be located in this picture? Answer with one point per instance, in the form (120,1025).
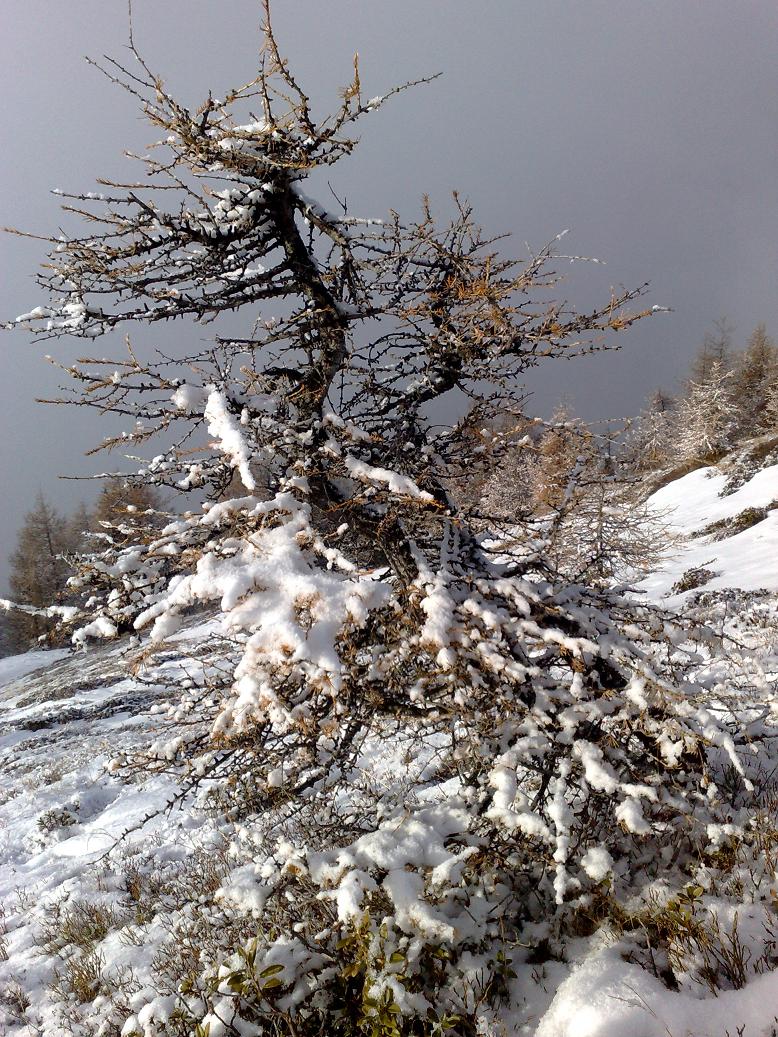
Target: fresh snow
(226,430)
(67,823)
(16,666)
(746,561)
(604,996)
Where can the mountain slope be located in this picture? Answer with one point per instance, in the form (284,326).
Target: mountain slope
(108,898)
(71,834)
(734,536)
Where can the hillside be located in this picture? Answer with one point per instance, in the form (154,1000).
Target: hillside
(728,539)
(110,900)
(72,836)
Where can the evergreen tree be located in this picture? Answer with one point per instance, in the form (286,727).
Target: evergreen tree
(755,373)
(38,571)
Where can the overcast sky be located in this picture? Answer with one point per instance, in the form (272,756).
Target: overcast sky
(649,128)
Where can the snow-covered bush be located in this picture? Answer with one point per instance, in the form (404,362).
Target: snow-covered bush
(555,747)
(564,486)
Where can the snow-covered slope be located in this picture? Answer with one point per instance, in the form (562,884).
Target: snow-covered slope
(65,822)
(74,848)
(732,536)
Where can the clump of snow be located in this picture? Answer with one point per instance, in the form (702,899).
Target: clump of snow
(189,398)
(100,627)
(597,863)
(225,428)
(606,996)
(393,481)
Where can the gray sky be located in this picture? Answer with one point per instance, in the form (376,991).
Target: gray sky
(647,127)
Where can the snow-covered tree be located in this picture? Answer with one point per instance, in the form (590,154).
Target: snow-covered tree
(716,349)
(651,443)
(558,758)
(560,448)
(771,409)
(567,485)
(707,417)
(755,373)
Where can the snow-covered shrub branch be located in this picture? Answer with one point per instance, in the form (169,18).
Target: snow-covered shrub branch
(562,747)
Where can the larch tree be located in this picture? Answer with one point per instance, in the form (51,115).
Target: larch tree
(7,646)
(567,484)
(771,409)
(600,532)
(716,349)
(651,444)
(119,498)
(38,572)
(555,739)
(707,417)
(755,373)
(559,450)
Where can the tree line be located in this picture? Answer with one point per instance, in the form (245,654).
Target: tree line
(729,397)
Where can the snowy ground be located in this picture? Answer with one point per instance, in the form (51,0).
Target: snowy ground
(71,835)
(745,559)
(603,995)
(62,718)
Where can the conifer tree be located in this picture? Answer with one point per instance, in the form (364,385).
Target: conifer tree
(555,736)
(716,349)
(120,499)
(707,417)
(38,571)
(560,448)
(771,410)
(6,637)
(78,526)
(569,487)
(651,443)
(755,372)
